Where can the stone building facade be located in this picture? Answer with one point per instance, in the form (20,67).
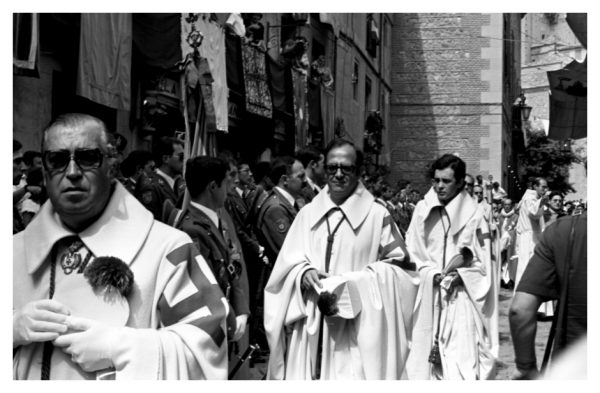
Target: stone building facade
(455,78)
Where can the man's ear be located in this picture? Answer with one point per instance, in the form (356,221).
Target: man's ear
(283,179)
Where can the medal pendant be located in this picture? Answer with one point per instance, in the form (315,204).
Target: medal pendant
(70,262)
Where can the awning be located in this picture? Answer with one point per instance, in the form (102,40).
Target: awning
(568,101)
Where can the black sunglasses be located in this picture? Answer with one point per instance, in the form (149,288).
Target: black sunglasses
(346,169)
(86,159)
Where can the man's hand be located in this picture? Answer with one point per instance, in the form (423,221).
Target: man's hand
(34,190)
(91,345)
(240,326)
(38,321)
(437,279)
(261,255)
(311,279)
(456,280)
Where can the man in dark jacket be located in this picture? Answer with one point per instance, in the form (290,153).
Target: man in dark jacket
(166,183)
(559,263)
(280,208)
(213,231)
(314,165)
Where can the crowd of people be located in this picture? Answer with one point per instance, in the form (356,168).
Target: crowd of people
(304,262)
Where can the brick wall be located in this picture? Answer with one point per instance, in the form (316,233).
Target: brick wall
(446,93)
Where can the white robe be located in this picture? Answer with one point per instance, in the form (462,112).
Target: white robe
(529,229)
(374,344)
(177,310)
(469,316)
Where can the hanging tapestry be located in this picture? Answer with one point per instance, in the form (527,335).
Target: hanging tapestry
(258,97)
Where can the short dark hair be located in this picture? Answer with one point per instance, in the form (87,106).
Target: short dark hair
(135,159)
(260,170)
(164,147)
(555,193)
(308,154)
(16,145)
(201,170)
(537,181)
(228,157)
(450,161)
(339,142)
(71,120)
(281,166)
(29,155)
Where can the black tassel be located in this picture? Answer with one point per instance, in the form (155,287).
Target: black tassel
(467,255)
(327,303)
(110,272)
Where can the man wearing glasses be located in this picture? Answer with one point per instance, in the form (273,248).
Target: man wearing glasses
(166,183)
(175,323)
(339,302)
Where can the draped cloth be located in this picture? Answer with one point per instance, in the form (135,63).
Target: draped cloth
(467,313)
(25,42)
(300,83)
(258,96)
(104,70)
(369,252)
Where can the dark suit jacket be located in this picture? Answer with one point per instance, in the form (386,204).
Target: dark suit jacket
(308,193)
(274,219)
(215,250)
(152,191)
(238,210)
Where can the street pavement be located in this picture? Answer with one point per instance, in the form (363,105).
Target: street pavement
(506,361)
(506,357)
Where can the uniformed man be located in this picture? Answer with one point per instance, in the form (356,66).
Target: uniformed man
(241,180)
(314,166)
(212,230)
(280,208)
(138,163)
(166,183)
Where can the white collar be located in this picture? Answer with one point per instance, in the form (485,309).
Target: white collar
(120,231)
(211,214)
(460,209)
(286,195)
(239,191)
(312,184)
(170,181)
(355,208)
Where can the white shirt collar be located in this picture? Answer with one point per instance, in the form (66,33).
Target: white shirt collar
(286,195)
(214,217)
(312,184)
(170,181)
(239,191)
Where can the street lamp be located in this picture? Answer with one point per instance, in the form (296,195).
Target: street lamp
(525,109)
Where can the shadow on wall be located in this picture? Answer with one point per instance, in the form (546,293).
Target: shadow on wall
(413,133)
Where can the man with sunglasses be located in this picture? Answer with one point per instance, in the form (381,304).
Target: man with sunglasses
(175,324)
(166,183)
(456,313)
(342,246)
